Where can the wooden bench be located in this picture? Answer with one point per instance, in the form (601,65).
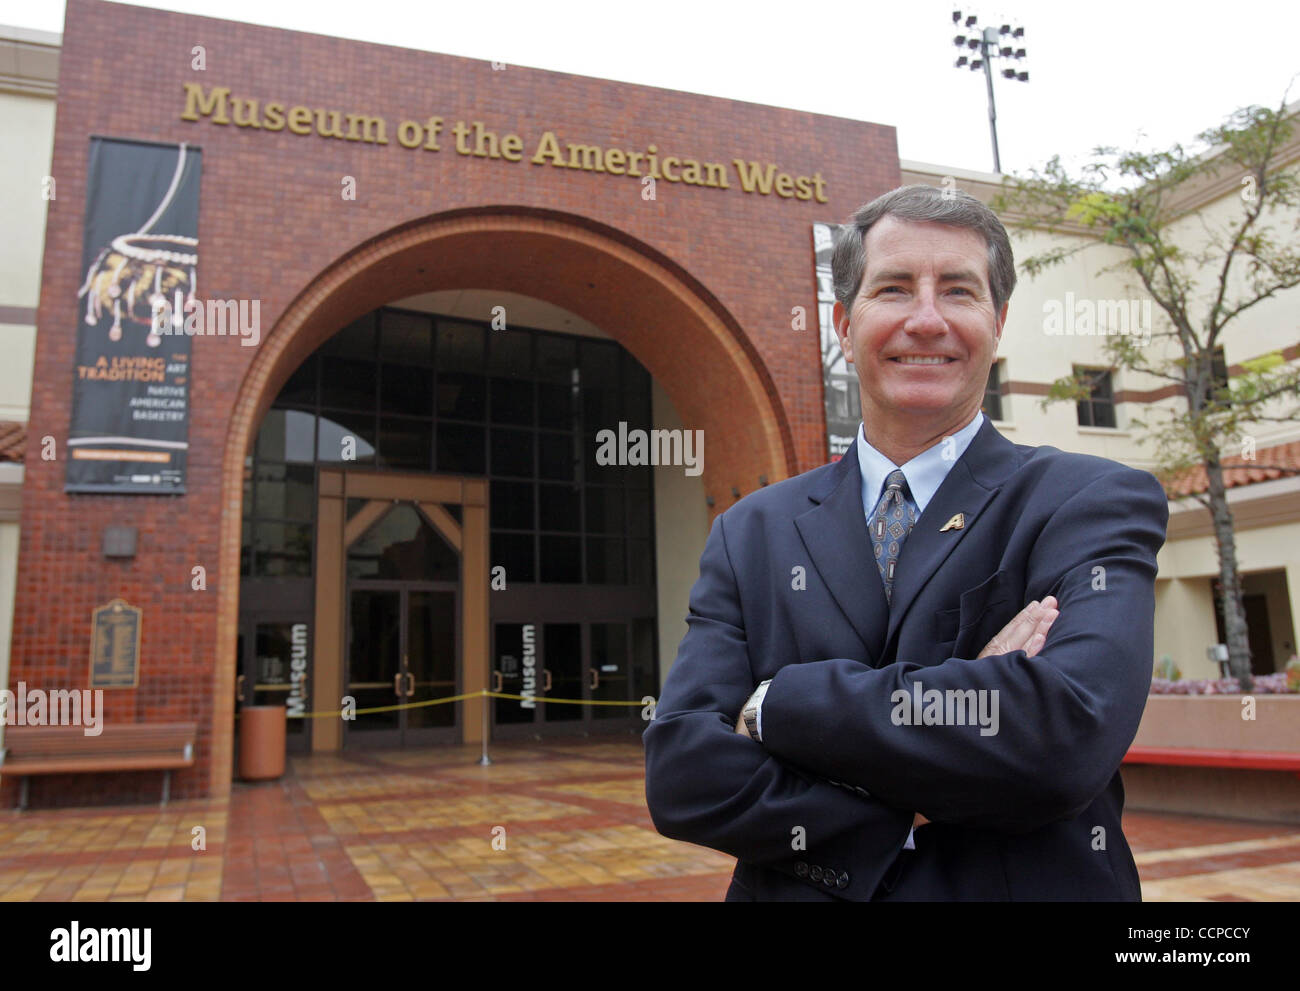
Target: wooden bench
(1263,760)
(31,750)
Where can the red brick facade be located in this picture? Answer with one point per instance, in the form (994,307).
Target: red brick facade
(699,283)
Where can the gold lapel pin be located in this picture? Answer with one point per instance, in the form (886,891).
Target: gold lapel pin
(958,522)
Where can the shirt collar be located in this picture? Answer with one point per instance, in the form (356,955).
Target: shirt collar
(924,473)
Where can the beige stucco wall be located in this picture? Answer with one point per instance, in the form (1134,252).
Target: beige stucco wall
(681,528)
(27,123)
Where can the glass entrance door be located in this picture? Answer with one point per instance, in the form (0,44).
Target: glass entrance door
(586,661)
(274,663)
(402,649)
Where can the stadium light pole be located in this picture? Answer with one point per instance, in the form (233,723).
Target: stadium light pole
(991,43)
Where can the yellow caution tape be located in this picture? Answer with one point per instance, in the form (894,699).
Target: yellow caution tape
(481,693)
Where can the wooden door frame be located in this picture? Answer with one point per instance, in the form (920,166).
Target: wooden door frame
(335,533)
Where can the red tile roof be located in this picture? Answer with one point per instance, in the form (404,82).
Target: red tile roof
(1269,463)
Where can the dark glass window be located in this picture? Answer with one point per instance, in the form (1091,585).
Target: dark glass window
(285,492)
(514,552)
(557,358)
(286,435)
(558,456)
(600,364)
(604,509)
(460,347)
(993,393)
(349,383)
(511,354)
(557,405)
(561,559)
(461,396)
(283,550)
(403,546)
(1098,410)
(300,390)
(561,507)
(407,338)
(512,453)
(512,401)
(346,436)
(461,449)
(405,443)
(1219,381)
(512,505)
(408,391)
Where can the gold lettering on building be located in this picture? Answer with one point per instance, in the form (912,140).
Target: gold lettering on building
(476,139)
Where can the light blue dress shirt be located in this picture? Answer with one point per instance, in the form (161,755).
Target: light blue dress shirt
(924,473)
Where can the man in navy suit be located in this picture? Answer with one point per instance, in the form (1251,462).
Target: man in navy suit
(912,674)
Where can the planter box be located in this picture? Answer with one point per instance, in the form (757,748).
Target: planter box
(1213,722)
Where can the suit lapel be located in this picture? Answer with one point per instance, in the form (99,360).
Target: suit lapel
(835,535)
(969,486)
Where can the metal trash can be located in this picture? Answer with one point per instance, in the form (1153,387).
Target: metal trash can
(261,742)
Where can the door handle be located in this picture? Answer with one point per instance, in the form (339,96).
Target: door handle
(239,688)
(496,681)
(595,679)
(410,685)
(546,682)
(397,684)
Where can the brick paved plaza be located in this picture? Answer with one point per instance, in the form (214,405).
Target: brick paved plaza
(419,825)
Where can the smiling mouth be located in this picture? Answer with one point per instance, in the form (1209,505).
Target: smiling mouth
(922,360)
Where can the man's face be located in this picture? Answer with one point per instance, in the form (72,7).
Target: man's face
(922,330)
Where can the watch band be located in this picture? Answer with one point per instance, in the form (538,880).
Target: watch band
(750,712)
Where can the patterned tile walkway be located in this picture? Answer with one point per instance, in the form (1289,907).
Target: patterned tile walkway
(563,820)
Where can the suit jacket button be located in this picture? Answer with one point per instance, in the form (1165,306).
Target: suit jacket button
(815,873)
(843,880)
(800,869)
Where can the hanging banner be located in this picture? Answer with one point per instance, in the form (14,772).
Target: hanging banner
(839,381)
(139,256)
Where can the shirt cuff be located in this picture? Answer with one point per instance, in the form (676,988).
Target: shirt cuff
(759,720)
(910,844)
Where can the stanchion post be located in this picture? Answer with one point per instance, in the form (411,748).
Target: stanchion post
(485,760)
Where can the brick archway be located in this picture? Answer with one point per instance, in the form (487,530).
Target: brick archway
(686,339)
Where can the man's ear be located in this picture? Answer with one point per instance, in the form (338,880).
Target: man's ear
(1002,322)
(840,317)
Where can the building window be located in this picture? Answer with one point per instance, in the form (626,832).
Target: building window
(993,393)
(1218,383)
(1098,410)
(410,391)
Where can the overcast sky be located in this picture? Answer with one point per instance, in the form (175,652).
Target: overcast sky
(1131,73)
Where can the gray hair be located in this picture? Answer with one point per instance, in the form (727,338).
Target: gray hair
(923,205)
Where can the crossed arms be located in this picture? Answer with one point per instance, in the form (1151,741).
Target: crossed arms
(1069,711)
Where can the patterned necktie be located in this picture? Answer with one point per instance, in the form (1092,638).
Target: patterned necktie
(891,522)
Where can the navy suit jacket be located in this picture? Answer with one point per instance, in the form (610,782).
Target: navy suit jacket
(821,808)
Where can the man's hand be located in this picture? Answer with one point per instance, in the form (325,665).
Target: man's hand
(1027,631)
(740,723)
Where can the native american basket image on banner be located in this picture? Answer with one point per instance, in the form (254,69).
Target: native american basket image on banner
(142,277)
(140,256)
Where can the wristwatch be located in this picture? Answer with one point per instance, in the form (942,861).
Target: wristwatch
(750,712)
